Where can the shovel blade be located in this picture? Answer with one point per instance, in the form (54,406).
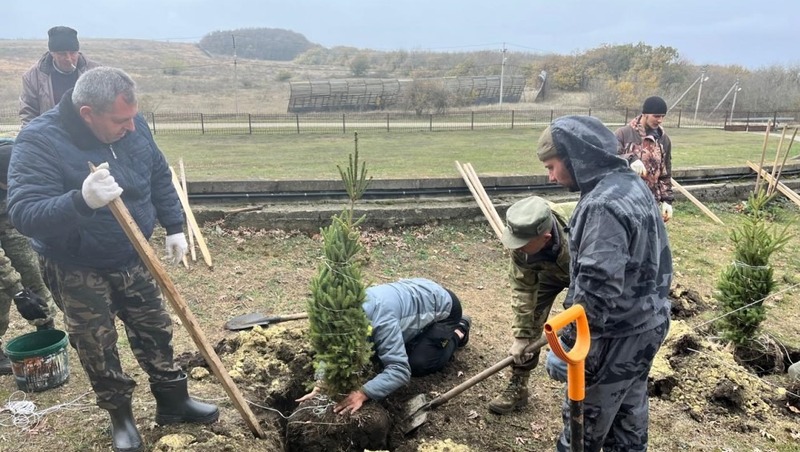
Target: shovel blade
(415,413)
(247,321)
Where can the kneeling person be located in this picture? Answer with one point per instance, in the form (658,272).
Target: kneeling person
(417,325)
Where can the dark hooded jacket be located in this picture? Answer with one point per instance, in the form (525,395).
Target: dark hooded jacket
(45,177)
(621,267)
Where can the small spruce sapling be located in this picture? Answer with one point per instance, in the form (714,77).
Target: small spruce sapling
(339,328)
(746,282)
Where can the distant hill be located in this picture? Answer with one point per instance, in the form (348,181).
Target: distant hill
(257,43)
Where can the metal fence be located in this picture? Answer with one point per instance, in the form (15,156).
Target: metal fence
(163,123)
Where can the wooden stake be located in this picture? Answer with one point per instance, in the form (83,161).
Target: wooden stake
(785,156)
(788,192)
(479,199)
(774,169)
(763,152)
(696,202)
(476,182)
(183,185)
(149,258)
(191,220)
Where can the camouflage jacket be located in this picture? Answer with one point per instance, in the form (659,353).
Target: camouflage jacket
(636,144)
(621,265)
(526,273)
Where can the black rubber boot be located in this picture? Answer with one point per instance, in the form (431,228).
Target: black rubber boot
(5,363)
(124,434)
(174,406)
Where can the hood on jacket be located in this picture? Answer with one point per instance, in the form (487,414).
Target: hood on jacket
(590,146)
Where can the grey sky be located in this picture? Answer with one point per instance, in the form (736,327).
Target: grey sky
(747,33)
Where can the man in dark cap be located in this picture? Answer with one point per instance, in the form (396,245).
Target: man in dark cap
(620,272)
(54,74)
(538,272)
(648,149)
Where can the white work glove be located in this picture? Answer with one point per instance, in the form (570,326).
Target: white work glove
(100,188)
(666,211)
(176,247)
(638,167)
(517,350)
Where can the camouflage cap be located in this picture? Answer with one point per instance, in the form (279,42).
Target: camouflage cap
(525,220)
(546,148)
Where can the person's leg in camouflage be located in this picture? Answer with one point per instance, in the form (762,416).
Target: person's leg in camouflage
(616,404)
(18,249)
(9,285)
(515,395)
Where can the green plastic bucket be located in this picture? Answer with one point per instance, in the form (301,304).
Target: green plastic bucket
(39,359)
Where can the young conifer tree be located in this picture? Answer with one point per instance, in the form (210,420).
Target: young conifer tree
(748,280)
(339,328)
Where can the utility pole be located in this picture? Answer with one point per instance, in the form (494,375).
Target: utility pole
(235,78)
(502,73)
(733,104)
(699,90)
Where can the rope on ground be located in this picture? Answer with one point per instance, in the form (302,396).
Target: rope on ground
(21,413)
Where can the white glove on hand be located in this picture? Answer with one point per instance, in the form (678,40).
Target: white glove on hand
(100,188)
(176,247)
(517,350)
(666,211)
(638,167)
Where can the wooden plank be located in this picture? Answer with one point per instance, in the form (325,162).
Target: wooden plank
(191,220)
(190,233)
(181,308)
(788,192)
(696,202)
(476,182)
(763,153)
(479,199)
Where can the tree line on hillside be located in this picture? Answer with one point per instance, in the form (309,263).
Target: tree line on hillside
(257,43)
(616,76)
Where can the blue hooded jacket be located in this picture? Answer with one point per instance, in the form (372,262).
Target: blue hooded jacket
(48,165)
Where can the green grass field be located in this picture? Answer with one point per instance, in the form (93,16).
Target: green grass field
(417,155)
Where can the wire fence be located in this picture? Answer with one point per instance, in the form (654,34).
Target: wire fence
(177,123)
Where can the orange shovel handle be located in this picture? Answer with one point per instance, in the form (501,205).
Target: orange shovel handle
(575,357)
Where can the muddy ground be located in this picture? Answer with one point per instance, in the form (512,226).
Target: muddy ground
(701,398)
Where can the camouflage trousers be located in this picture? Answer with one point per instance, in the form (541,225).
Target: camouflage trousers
(19,269)
(616,404)
(91,300)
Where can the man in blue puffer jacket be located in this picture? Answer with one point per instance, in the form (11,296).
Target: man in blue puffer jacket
(90,265)
(417,325)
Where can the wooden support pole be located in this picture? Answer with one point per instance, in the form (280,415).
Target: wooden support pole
(181,308)
(191,220)
(774,169)
(479,199)
(476,182)
(763,153)
(783,163)
(190,233)
(781,187)
(696,202)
